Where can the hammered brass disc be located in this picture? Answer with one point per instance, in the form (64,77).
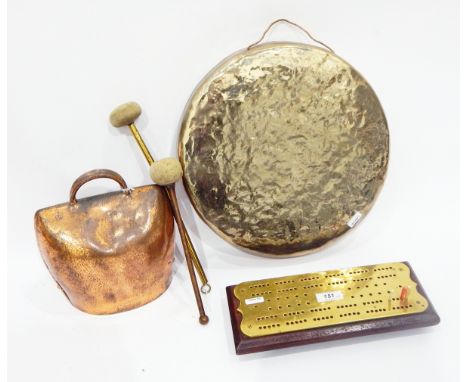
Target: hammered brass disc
(283,146)
(313,300)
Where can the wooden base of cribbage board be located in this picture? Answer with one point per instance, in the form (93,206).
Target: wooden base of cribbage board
(323,306)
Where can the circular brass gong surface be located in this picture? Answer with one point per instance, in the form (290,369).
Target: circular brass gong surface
(283,147)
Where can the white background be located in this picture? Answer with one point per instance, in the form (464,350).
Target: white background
(71,62)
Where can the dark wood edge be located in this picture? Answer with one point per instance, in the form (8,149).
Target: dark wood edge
(244,344)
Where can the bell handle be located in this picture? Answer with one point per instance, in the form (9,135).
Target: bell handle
(95,174)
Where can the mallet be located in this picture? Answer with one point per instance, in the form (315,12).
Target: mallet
(165,173)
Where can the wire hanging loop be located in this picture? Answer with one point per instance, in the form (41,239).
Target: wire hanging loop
(293,24)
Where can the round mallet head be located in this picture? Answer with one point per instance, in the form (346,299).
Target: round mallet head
(125,114)
(166,171)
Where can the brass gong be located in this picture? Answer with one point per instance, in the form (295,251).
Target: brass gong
(284,147)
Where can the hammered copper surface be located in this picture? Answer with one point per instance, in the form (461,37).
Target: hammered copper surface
(111,252)
(281,146)
(290,303)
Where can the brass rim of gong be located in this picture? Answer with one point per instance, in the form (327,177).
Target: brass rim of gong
(183,126)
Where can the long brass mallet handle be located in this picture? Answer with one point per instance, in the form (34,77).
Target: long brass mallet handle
(165,173)
(172,196)
(125,115)
(206,287)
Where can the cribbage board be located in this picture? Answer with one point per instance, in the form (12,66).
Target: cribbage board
(315,307)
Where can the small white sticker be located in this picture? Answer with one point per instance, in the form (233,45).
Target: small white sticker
(254,300)
(329,296)
(354,219)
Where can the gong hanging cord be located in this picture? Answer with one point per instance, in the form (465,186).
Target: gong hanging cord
(293,24)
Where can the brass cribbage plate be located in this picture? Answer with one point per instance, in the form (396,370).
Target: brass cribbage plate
(288,304)
(284,147)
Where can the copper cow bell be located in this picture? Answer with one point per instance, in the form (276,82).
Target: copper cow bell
(112,252)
